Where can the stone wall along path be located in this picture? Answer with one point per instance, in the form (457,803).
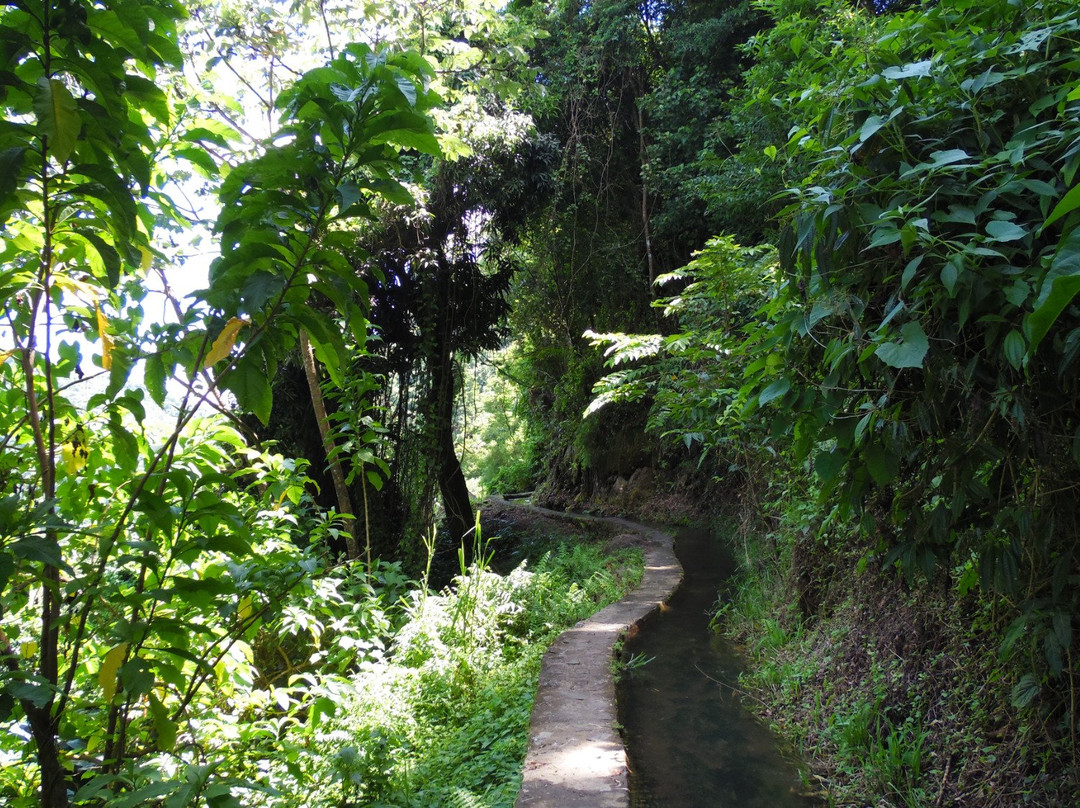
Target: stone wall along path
(576,757)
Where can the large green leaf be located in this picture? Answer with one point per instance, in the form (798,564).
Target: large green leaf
(1025,691)
(1058,289)
(164,726)
(1000,230)
(774,391)
(57,116)
(828,465)
(909,353)
(11,163)
(1015,348)
(154,378)
(249,384)
(119,32)
(1066,205)
(110,258)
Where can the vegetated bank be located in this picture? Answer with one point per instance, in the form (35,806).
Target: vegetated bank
(890,692)
(887,385)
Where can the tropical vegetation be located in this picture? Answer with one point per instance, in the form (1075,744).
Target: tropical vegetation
(289,286)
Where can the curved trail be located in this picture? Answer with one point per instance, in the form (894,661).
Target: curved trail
(576,757)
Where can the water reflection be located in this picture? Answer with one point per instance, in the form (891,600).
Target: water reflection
(690,742)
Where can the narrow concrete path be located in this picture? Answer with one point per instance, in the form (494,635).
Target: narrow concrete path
(576,756)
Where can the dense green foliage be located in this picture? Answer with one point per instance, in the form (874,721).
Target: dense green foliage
(906,347)
(626,204)
(137,564)
(865,223)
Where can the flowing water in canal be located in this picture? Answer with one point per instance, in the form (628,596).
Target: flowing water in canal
(690,743)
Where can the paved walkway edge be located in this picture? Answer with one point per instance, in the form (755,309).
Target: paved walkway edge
(576,757)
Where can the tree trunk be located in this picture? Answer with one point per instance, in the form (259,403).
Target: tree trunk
(455,493)
(54,781)
(337,472)
(643,156)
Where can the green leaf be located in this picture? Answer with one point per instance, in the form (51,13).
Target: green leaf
(883,464)
(407,88)
(390,190)
(163,725)
(112,190)
(912,70)
(939,159)
(118,32)
(259,288)
(119,371)
(125,444)
(38,548)
(110,258)
(909,353)
(948,157)
(38,692)
(11,162)
(349,194)
(1025,691)
(200,158)
(7,569)
(424,142)
(220,796)
(321,709)
(909,270)
(1058,289)
(95,787)
(156,508)
(870,126)
(774,391)
(136,677)
(828,465)
(147,795)
(1062,625)
(949,275)
(1001,230)
(1066,205)
(1015,348)
(248,383)
(154,378)
(57,116)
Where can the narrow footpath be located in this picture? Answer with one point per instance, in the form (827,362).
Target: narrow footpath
(576,756)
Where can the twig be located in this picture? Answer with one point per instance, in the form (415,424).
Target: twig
(944,777)
(734,689)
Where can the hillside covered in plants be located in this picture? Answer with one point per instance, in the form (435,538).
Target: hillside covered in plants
(290,288)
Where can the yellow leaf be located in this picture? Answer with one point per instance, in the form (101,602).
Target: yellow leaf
(223,345)
(74,458)
(147,258)
(75,452)
(109,666)
(106,340)
(74,286)
(244,608)
(165,727)
(5,355)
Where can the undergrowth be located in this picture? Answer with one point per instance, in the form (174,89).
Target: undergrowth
(895,693)
(439,716)
(372,690)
